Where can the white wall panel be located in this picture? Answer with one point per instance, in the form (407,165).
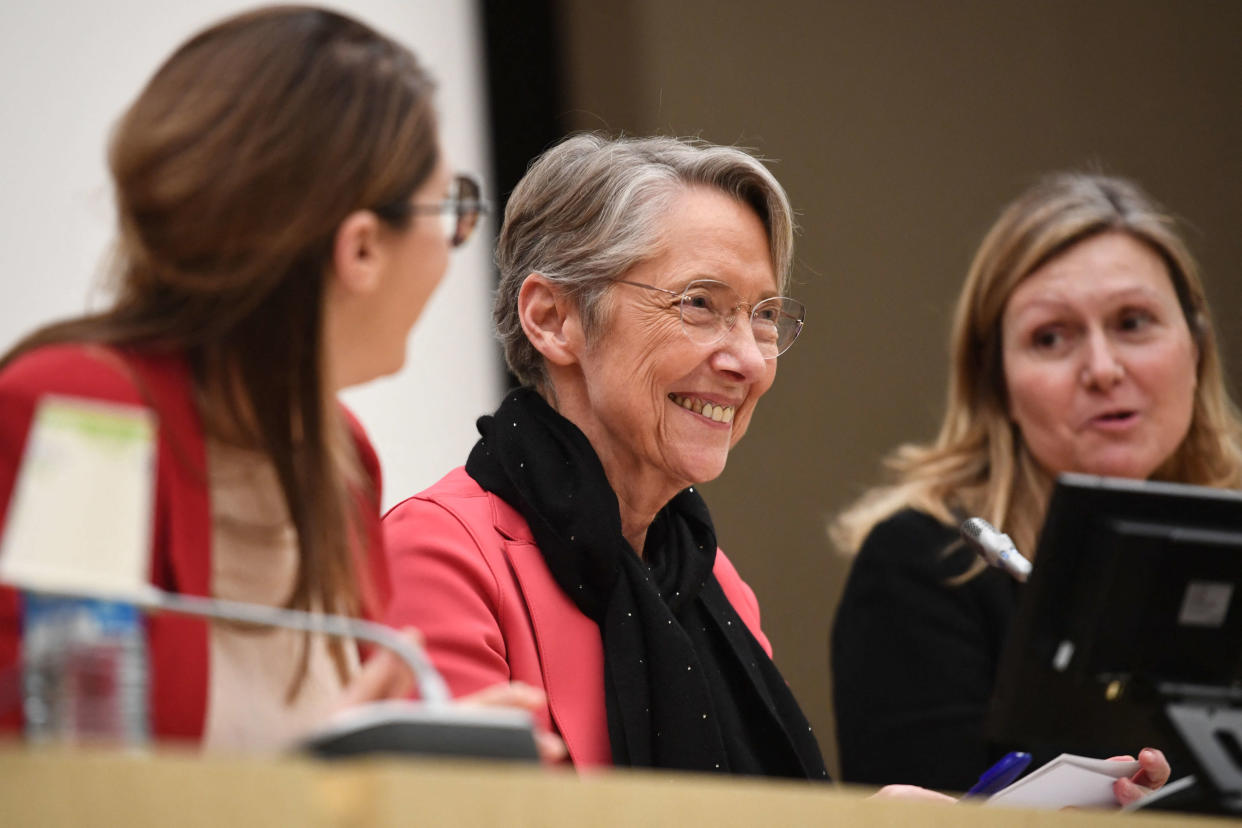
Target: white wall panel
(67,70)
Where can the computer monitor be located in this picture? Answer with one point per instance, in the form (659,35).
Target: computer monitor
(1135,599)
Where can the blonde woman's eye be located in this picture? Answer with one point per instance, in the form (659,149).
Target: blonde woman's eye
(1136,320)
(1046,339)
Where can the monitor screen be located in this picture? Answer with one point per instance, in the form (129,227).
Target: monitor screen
(1136,594)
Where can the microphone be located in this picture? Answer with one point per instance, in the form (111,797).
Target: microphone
(431,685)
(433,727)
(995,547)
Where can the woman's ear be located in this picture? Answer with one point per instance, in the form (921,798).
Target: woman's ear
(550,320)
(357,255)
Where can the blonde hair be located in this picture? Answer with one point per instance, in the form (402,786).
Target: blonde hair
(978,464)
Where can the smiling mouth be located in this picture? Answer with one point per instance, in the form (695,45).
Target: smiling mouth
(712,411)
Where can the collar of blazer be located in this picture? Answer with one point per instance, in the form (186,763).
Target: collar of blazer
(571,655)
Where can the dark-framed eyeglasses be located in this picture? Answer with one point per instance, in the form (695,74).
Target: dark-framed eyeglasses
(709,310)
(459,212)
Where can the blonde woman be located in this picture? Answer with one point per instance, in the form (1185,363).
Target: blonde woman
(1081,343)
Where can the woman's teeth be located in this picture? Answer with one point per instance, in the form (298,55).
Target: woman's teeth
(719,413)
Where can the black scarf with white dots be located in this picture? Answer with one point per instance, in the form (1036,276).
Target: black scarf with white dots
(687,686)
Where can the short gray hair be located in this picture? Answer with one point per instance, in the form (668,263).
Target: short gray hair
(590,208)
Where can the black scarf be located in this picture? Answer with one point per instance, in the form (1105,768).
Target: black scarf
(686,684)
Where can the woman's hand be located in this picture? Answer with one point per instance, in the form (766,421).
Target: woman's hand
(910,792)
(524,697)
(383,676)
(1153,772)
(386,676)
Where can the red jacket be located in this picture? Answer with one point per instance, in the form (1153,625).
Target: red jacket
(181,547)
(465,570)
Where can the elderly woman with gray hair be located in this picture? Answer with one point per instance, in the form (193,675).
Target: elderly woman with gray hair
(640,305)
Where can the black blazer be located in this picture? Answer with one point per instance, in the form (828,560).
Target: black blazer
(914,657)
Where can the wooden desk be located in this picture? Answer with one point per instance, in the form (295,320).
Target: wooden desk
(172,789)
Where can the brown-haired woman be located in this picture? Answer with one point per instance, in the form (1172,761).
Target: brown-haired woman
(1081,342)
(285,212)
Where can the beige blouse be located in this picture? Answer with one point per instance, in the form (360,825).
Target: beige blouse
(255,558)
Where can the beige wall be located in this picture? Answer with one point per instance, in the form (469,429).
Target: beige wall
(899,129)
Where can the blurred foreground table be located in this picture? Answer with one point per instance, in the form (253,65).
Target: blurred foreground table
(185,789)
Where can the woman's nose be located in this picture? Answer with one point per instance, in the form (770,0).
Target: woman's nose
(739,353)
(1102,367)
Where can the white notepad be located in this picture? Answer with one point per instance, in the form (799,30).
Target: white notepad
(1068,781)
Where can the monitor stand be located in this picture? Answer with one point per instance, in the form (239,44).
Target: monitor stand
(1210,733)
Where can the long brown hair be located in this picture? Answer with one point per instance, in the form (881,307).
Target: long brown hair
(233,170)
(978,465)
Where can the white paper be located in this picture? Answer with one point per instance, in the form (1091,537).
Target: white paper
(80,516)
(1066,782)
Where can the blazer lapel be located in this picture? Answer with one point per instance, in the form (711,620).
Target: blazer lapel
(570,652)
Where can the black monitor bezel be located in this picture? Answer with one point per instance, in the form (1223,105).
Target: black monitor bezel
(1103,701)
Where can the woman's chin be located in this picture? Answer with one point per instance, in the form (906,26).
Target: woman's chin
(704,471)
(1125,468)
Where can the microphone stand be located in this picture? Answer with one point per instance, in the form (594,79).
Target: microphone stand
(431,687)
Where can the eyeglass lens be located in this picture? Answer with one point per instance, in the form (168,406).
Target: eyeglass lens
(463,216)
(459,212)
(709,311)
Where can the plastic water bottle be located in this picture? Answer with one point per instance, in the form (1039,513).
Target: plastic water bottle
(84,671)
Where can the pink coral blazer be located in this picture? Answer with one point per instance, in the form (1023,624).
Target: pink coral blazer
(465,570)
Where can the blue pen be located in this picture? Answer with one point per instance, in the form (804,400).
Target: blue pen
(1001,774)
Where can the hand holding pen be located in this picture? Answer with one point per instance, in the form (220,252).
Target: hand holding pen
(994,779)
(1001,775)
